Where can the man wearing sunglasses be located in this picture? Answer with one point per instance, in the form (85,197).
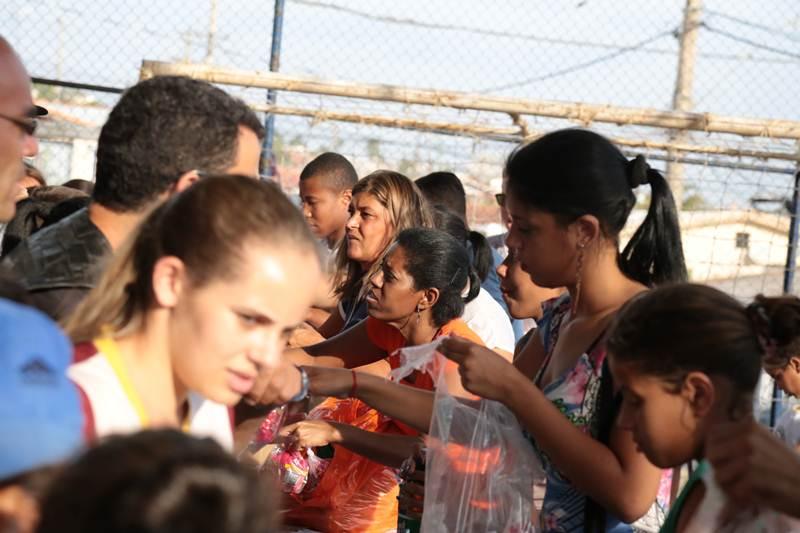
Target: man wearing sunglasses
(17,126)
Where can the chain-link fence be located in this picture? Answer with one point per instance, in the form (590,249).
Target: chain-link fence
(735,58)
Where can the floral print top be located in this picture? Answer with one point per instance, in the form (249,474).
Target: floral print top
(575,394)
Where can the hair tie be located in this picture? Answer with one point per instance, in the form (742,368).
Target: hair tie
(761,323)
(466,290)
(637,171)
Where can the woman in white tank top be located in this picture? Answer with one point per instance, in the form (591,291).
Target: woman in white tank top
(192,307)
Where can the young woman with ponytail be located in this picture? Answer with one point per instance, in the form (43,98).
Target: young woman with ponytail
(687,359)
(569,196)
(192,308)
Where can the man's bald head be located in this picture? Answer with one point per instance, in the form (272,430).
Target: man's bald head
(12,69)
(16,139)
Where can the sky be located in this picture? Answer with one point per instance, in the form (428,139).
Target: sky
(488,47)
(620,52)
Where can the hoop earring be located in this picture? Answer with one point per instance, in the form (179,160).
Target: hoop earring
(579,279)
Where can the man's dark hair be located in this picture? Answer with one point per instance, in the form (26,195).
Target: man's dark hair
(160,129)
(337,172)
(444,189)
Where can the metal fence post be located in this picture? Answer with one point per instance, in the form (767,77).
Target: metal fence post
(788,276)
(267,156)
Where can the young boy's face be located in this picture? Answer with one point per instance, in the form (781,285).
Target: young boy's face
(325,210)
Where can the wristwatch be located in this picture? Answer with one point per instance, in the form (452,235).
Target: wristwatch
(304,385)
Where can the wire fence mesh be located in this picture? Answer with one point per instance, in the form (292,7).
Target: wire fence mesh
(617,52)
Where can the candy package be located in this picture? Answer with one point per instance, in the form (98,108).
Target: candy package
(268,429)
(290,468)
(297,470)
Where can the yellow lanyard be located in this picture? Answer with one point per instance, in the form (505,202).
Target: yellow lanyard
(108,348)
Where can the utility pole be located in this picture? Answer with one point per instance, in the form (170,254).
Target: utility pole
(186,36)
(212,33)
(684,81)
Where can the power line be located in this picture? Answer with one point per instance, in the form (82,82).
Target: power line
(523,36)
(142,28)
(581,66)
(455,27)
(750,42)
(754,25)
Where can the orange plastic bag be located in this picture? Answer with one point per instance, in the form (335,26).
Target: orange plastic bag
(354,494)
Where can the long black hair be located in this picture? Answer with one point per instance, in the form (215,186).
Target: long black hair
(435,259)
(473,240)
(570,173)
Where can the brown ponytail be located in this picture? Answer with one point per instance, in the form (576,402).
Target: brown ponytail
(206,227)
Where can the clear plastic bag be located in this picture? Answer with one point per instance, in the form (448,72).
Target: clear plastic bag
(480,469)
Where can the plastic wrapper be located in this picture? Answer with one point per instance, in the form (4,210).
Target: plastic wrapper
(290,468)
(296,470)
(268,429)
(354,494)
(710,513)
(417,359)
(480,469)
(316,470)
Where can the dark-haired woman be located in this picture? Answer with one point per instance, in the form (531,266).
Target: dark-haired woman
(417,295)
(569,196)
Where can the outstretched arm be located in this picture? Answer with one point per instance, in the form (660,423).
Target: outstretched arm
(348,349)
(387,449)
(409,405)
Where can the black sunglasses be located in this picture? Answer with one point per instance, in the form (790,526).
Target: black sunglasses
(26,124)
(501,199)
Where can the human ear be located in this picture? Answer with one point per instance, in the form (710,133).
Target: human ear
(168,280)
(346,196)
(586,229)
(429,299)
(700,393)
(186,180)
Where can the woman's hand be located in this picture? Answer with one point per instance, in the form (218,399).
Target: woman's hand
(325,381)
(753,467)
(304,336)
(483,372)
(275,385)
(311,433)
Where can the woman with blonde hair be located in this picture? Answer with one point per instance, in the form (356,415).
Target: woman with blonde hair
(198,301)
(384,203)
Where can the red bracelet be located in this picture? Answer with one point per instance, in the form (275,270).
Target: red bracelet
(355,384)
